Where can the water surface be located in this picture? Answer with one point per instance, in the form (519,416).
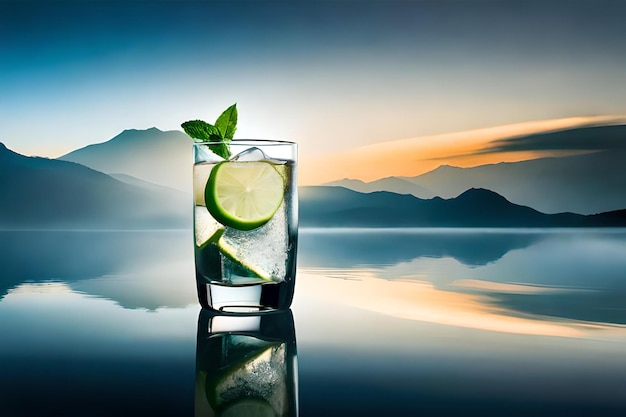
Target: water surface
(388,322)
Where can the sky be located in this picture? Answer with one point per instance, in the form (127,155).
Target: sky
(339,77)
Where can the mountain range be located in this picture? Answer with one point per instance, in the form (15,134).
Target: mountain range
(48,193)
(341,207)
(152,155)
(135,180)
(585,183)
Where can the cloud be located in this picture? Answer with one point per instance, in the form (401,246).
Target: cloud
(589,138)
(506,143)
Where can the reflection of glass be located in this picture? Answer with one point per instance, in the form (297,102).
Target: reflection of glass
(246,365)
(246,225)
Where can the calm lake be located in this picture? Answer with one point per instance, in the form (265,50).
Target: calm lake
(387,322)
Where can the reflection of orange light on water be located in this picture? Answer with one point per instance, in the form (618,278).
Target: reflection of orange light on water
(418,300)
(508,287)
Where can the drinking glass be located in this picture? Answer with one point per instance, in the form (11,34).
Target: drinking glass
(245,225)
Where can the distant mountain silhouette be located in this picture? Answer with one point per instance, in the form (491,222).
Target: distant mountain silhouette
(48,193)
(392,184)
(171,193)
(340,207)
(585,184)
(163,158)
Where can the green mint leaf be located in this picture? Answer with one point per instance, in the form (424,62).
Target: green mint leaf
(221,133)
(222,149)
(227,123)
(202,131)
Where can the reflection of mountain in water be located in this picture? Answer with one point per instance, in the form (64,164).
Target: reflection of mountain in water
(37,256)
(348,248)
(135,269)
(590,306)
(566,274)
(573,276)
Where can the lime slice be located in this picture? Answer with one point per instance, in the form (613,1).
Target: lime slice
(244,195)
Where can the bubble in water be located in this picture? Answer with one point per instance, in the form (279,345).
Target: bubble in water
(264,247)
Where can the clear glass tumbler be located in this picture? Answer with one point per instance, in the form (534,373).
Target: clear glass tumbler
(245,225)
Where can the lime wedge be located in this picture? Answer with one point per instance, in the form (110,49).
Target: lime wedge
(230,252)
(238,378)
(244,195)
(256,379)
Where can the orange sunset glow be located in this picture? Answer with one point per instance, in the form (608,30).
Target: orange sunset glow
(415,156)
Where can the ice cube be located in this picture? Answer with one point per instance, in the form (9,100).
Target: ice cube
(252,155)
(202,153)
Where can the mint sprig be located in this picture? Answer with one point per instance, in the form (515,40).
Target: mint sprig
(221,133)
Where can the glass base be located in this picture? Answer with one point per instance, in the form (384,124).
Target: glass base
(245,298)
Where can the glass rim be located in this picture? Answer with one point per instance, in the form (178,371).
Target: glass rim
(265,142)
